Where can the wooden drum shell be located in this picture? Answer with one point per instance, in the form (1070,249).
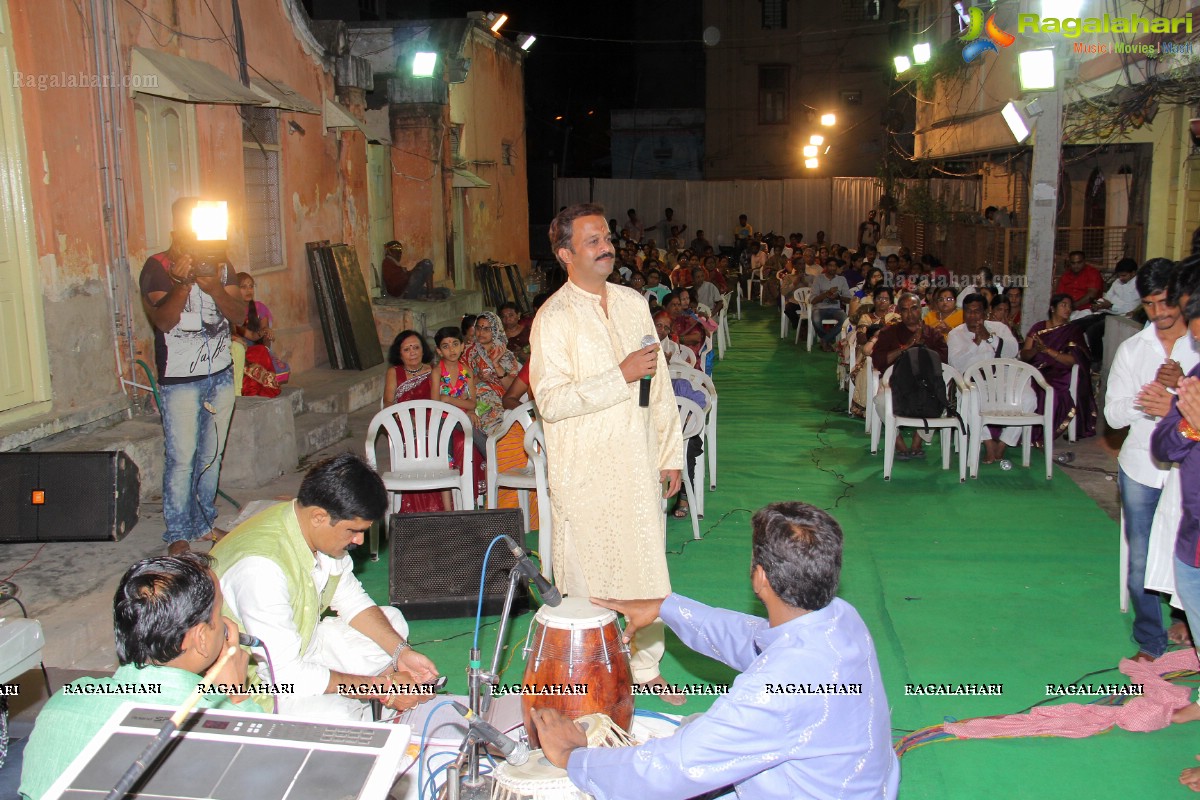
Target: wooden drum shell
(566,656)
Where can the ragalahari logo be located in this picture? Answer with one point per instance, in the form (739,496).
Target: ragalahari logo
(991,33)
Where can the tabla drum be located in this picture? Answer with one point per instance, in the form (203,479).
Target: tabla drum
(576,664)
(536,779)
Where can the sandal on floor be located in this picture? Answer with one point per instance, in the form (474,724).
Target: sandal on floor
(682,511)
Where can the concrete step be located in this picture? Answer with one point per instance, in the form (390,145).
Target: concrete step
(339,391)
(295,396)
(316,431)
(140,438)
(393,315)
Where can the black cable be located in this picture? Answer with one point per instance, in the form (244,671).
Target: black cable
(711,528)
(814,454)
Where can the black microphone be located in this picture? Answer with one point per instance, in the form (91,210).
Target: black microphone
(551,596)
(514,752)
(246,640)
(644,384)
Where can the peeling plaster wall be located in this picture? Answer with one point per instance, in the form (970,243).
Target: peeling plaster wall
(323,193)
(65,204)
(490,104)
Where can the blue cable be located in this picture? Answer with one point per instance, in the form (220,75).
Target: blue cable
(482,578)
(642,712)
(431,784)
(424,733)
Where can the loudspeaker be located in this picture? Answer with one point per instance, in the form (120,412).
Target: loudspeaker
(67,497)
(435,560)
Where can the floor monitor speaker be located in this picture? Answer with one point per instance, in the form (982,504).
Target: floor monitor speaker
(436,558)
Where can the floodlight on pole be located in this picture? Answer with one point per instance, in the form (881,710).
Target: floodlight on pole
(903,64)
(816,138)
(1016,122)
(1036,68)
(525,41)
(809,151)
(828,120)
(810,163)
(922,53)
(424,64)
(498,21)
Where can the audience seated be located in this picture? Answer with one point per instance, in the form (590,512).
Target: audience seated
(1054,346)
(895,339)
(869,321)
(829,292)
(409,378)
(686,328)
(979,339)
(515,329)
(943,313)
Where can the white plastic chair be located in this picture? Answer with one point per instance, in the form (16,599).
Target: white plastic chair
(419,443)
(683,355)
(803,296)
(1074,423)
(704,383)
(691,420)
(813,324)
(702,356)
(843,369)
(723,341)
(848,382)
(739,299)
(532,476)
(948,427)
(871,418)
(999,390)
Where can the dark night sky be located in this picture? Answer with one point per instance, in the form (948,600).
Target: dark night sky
(569,77)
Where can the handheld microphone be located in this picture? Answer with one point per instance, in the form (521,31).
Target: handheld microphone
(514,752)
(644,384)
(551,596)
(246,640)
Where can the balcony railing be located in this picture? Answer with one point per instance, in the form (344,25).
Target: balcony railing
(965,247)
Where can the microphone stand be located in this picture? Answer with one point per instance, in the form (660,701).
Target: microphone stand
(473,785)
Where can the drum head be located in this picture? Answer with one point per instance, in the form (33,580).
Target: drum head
(575,612)
(537,771)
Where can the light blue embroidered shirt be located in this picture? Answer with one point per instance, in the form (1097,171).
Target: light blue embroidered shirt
(807,717)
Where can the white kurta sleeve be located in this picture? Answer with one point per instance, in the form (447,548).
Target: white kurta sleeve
(257,592)
(554,377)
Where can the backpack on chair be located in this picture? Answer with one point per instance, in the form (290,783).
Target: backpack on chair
(917,387)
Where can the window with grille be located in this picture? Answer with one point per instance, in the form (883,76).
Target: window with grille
(260,162)
(456,132)
(773,94)
(506,153)
(774,14)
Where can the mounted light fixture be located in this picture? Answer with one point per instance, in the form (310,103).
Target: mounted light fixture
(921,53)
(828,120)
(809,151)
(1016,122)
(810,163)
(1036,68)
(903,64)
(424,64)
(525,41)
(816,138)
(497,21)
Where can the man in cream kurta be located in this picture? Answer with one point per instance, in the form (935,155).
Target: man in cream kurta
(607,456)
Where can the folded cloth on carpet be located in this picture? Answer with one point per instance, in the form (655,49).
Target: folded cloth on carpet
(1149,712)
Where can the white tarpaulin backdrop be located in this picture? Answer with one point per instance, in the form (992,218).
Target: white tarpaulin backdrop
(797,205)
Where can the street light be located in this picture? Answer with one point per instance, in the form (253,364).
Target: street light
(809,151)
(423,65)
(810,163)
(525,41)
(1016,123)
(903,64)
(1036,68)
(816,138)
(828,120)
(497,21)
(921,53)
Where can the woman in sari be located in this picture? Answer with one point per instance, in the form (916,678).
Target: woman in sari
(495,368)
(408,379)
(515,329)
(868,322)
(1054,347)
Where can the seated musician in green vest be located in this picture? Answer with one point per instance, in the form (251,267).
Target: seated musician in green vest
(284,568)
(169,631)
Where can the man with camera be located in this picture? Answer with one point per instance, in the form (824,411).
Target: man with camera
(191,298)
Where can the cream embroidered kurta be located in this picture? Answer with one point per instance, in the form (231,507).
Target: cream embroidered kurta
(604,451)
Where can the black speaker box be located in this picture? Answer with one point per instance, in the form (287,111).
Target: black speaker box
(67,497)
(435,560)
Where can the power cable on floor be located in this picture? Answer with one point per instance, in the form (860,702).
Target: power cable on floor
(704,535)
(815,455)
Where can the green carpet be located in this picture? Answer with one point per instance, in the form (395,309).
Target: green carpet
(1007,579)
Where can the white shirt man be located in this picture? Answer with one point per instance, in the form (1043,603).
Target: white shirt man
(1122,297)
(965,349)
